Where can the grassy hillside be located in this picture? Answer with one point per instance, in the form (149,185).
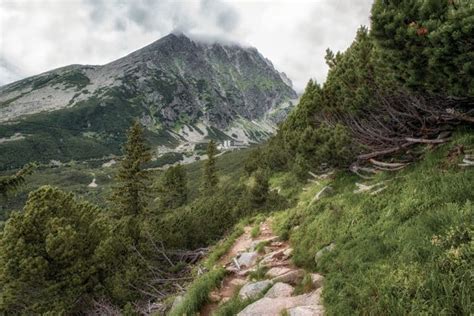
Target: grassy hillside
(405,250)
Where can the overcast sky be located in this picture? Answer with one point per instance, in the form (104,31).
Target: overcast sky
(39,35)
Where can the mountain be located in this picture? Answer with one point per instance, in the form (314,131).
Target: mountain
(182,90)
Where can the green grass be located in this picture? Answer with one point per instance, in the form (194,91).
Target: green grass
(258,274)
(305,285)
(233,306)
(406,251)
(260,248)
(221,248)
(255,232)
(198,293)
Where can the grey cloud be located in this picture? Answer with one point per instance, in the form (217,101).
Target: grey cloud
(8,72)
(226,17)
(120,25)
(99,31)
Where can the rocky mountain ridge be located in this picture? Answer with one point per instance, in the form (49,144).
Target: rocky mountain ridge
(182,90)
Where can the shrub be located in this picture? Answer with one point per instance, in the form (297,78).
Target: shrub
(49,254)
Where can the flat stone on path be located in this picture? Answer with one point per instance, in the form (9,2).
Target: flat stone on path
(291,277)
(252,290)
(247,259)
(277,271)
(280,290)
(311,310)
(274,306)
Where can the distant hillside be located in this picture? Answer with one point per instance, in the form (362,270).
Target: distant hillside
(181,89)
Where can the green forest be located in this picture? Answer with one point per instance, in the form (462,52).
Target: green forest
(391,130)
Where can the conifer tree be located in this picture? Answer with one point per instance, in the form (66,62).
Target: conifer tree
(11,183)
(49,259)
(210,170)
(129,240)
(132,189)
(259,190)
(172,189)
(428,43)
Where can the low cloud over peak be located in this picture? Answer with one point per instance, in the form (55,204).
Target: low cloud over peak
(36,36)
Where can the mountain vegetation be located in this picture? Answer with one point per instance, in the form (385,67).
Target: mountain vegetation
(369,180)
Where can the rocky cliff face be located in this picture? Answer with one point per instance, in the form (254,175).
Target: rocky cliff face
(182,90)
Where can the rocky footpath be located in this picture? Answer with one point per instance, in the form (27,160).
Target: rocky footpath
(274,294)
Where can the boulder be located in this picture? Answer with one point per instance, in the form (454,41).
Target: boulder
(252,290)
(274,256)
(317,280)
(247,259)
(291,277)
(280,290)
(288,252)
(310,310)
(321,252)
(275,306)
(277,271)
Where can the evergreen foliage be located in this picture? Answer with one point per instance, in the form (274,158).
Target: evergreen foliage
(210,175)
(50,255)
(259,189)
(129,196)
(172,190)
(129,241)
(11,183)
(429,44)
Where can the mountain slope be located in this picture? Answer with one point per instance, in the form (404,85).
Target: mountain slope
(182,90)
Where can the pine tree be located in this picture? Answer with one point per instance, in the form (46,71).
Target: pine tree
(210,170)
(259,190)
(130,195)
(428,43)
(172,189)
(130,241)
(48,255)
(11,183)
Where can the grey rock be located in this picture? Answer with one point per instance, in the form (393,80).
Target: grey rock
(275,306)
(277,271)
(310,310)
(247,259)
(317,280)
(280,289)
(291,277)
(252,290)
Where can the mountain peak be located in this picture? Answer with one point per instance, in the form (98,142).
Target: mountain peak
(183,89)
